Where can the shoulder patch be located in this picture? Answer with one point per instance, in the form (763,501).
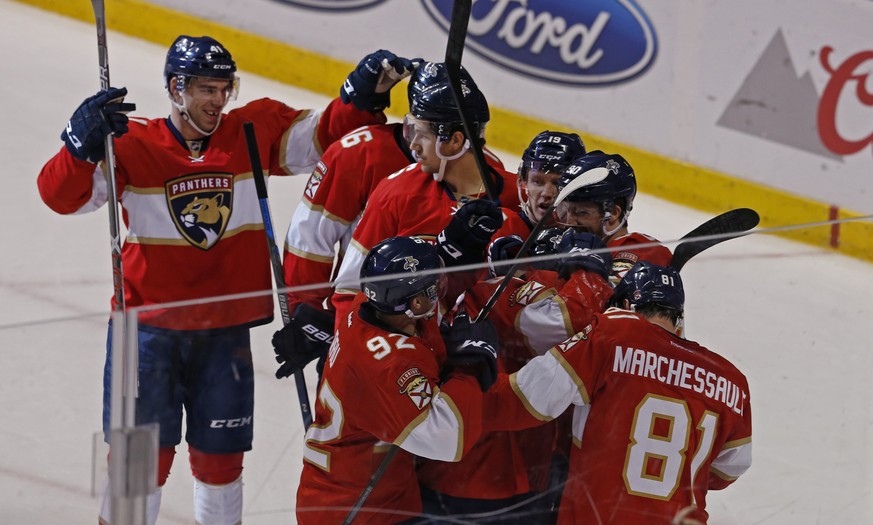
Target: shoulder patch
(627,256)
(526,293)
(573,341)
(416,386)
(315,180)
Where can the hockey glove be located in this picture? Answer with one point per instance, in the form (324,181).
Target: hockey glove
(464,240)
(578,246)
(307,337)
(368,87)
(97,117)
(472,349)
(501,250)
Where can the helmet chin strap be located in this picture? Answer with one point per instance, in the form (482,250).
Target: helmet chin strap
(426,315)
(608,233)
(525,201)
(438,176)
(183,110)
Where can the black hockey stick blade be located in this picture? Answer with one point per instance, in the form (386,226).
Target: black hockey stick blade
(454,52)
(275,260)
(729,225)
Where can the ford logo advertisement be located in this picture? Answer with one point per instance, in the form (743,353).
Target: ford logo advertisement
(332,5)
(594,42)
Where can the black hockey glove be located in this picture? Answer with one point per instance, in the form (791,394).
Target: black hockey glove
(472,349)
(97,117)
(578,246)
(464,240)
(368,87)
(306,338)
(503,249)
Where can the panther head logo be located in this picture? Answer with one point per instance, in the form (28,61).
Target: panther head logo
(201,206)
(209,215)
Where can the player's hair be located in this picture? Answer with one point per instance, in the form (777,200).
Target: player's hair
(659,310)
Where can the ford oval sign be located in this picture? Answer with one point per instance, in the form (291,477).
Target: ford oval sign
(563,41)
(332,5)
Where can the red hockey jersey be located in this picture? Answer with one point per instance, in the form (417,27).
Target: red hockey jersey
(332,202)
(531,316)
(625,253)
(194,224)
(382,387)
(658,419)
(408,202)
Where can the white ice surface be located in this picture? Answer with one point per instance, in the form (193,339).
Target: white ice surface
(797,320)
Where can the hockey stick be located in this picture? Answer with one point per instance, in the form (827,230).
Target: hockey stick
(729,225)
(109,162)
(454,53)
(591,176)
(261,188)
(377,475)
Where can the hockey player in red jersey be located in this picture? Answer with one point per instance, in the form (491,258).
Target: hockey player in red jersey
(321,229)
(194,231)
(546,304)
(334,198)
(323,222)
(542,163)
(381,386)
(658,420)
(603,209)
(420,199)
(541,166)
(338,191)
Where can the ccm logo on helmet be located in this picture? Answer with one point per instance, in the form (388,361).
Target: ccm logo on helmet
(231,423)
(587,43)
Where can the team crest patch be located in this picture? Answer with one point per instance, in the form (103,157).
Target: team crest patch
(627,256)
(623,262)
(201,206)
(416,386)
(579,336)
(315,180)
(526,293)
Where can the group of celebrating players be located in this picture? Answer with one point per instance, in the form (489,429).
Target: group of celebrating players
(462,407)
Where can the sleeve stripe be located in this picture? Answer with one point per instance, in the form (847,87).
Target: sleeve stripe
(732,462)
(513,382)
(437,433)
(310,256)
(545,388)
(737,443)
(568,368)
(304,130)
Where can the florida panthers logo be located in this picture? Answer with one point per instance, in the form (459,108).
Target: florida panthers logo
(416,386)
(201,206)
(410,263)
(613,166)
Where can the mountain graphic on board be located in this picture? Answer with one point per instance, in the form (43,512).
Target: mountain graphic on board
(773,103)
